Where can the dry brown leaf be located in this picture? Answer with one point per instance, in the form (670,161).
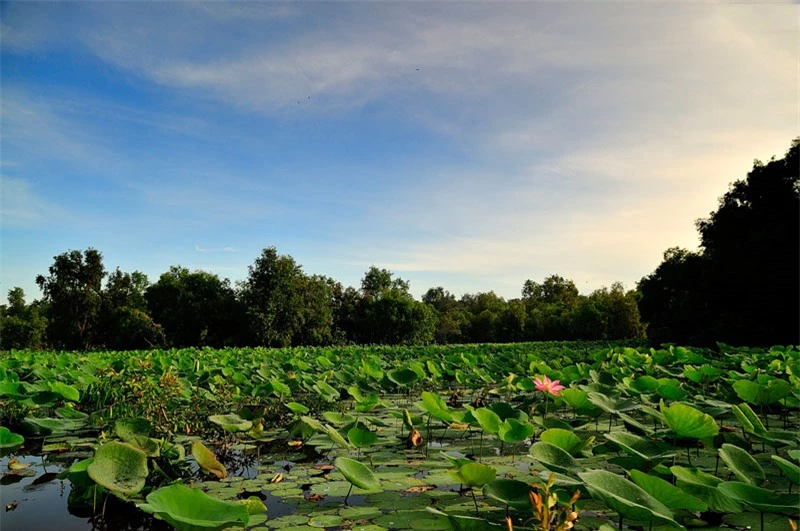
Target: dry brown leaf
(419,488)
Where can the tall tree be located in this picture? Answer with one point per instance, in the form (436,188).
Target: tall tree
(742,287)
(73,297)
(124,321)
(196,308)
(22,325)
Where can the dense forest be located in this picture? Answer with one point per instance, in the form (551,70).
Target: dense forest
(741,287)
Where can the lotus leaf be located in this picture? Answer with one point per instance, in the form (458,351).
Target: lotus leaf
(297,408)
(668,494)
(791,470)
(513,431)
(193,510)
(762,500)
(688,422)
(510,492)
(704,486)
(361,438)
(206,460)
(231,422)
(127,429)
(564,439)
(625,497)
(488,420)
(357,474)
(9,440)
(553,457)
(474,474)
(742,464)
(402,376)
(435,407)
(119,467)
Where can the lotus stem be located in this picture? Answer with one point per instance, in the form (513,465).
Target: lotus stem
(477,512)
(348,493)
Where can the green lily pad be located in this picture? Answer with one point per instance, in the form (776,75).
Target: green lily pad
(188,509)
(742,464)
(357,474)
(325,520)
(119,467)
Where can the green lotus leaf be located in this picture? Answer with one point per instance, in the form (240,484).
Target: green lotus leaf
(361,438)
(327,391)
(488,420)
(357,474)
(579,400)
(408,421)
(688,422)
(610,405)
(402,376)
(742,464)
(474,474)
(513,431)
(127,429)
(150,447)
(57,425)
(668,494)
(78,473)
(704,486)
(338,419)
(639,446)
(9,440)
(510,492)
(231,422)
(564,439)
(466,523)
(435,407)
(65,391)
(791,470)
(188,509)
(762,500)
(71,414)
(553,457)
(336,437)
(645,384)
(254,505)
(297,408)
(119,467)
(625,497)
(279,388)
(206,460)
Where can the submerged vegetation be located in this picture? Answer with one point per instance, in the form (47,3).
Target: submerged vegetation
(525,436)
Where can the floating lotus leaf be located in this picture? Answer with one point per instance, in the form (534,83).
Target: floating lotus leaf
(688,422)
(188,509)
(762,500)
(625,497)
(791,470)
(71,414)
(357,474)
(553,457)
(231,422)
(742,464)
(78,473)
(513,431)
(206,460)
(9,440)
(668,494)
(119,467)
(466,523)
(127,429)
(510,492)
(56,425)
(474,474)
(254,505)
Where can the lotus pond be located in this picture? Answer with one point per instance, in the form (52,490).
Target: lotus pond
(425,438)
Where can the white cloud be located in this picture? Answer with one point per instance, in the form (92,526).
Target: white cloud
(22,206)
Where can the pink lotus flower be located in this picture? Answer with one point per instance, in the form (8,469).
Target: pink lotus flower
(548,386)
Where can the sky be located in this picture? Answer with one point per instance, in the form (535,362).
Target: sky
(465,145)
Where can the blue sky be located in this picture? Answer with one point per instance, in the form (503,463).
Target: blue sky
(468,145)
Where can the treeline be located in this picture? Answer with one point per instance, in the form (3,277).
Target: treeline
(85,307)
